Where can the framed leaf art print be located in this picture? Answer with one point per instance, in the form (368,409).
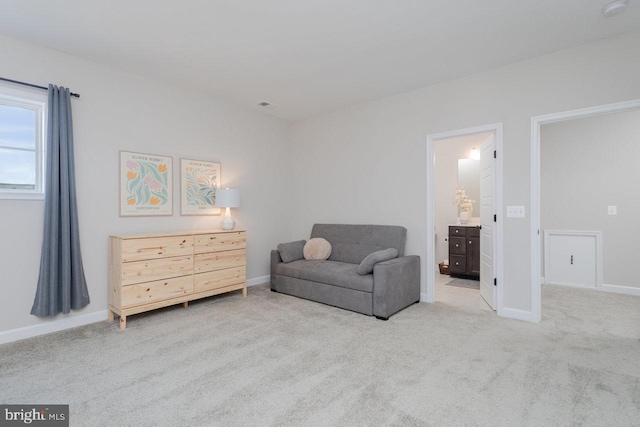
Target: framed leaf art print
(199,180)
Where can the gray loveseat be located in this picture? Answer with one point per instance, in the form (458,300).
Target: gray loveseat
(393,285)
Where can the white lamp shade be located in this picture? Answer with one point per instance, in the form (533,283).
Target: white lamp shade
(227,198)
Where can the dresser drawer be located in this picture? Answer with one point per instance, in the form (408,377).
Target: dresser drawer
(458,264)
(220,242)
(457,231)
(473,232)
(146,293)
(156,247)
(155,269)
(220,260)
(219,279)
(457,245)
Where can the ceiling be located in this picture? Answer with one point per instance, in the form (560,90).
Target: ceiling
(309,56)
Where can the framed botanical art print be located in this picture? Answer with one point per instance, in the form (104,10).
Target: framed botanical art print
(199,180)
(145,184)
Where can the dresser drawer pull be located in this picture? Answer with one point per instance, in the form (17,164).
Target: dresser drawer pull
(150,249)
(456,231)
(469,241)
(457,245)
(457,263)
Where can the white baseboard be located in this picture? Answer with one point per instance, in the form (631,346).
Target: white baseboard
(423,297)
(258,280)
(52,326)
(613,289)
(513,313)
(618,289)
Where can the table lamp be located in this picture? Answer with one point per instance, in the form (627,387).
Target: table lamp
(228,198)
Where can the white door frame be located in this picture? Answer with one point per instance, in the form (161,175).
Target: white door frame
(536,123)
(431,256)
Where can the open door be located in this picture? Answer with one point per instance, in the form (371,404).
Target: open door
(488,229)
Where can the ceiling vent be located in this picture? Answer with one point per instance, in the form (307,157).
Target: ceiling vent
(265,104)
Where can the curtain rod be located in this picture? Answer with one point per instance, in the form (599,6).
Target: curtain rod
(36,86)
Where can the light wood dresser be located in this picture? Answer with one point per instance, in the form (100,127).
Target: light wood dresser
(149,271)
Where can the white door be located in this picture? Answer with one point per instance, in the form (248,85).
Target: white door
(488,230)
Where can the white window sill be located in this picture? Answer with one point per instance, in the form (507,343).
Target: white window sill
(21,196)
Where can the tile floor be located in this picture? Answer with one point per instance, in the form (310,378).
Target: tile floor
(458,296)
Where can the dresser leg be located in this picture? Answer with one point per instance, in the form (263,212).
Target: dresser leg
(123,323)
(244,292)
(185,304)
(110,317)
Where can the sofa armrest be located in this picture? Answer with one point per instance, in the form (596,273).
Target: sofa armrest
(275,260)
(396,285)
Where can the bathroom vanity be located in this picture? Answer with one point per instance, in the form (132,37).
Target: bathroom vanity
(464,251)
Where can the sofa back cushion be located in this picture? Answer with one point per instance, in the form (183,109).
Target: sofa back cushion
(352,243)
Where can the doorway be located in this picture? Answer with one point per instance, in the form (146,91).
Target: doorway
(487,222)
(600,205)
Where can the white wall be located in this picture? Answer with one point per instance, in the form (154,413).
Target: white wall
(366,164)
(587,165)
(119,111)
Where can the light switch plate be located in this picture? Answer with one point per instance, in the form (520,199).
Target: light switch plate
(515,211)
(612,210)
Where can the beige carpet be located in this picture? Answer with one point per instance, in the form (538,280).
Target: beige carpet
(277,360)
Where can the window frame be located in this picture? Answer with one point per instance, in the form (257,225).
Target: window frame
(35,101)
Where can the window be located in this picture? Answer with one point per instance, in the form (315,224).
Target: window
(22,130)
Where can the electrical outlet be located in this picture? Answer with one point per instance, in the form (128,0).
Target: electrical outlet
(612,210)
(515,211)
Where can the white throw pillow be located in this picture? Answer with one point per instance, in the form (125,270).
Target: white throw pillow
(317,249)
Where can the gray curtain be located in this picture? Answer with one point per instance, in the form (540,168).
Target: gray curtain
(61,285)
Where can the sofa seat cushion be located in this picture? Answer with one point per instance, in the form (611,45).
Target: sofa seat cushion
(330,272)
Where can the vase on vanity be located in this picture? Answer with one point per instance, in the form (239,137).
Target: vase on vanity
(464,217)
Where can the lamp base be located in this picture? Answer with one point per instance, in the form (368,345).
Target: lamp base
(228,223)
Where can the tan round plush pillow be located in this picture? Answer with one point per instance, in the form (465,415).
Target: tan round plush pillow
(317,248)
